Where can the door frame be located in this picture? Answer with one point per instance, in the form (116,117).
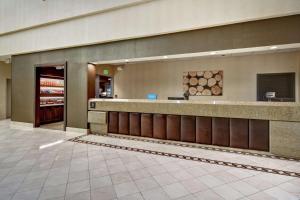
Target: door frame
(8,98)
(112,83)
(36,105)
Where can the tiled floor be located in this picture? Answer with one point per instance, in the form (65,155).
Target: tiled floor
(286,165)
(54,126)
(75,171)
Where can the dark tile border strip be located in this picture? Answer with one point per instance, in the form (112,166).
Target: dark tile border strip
(213,148)
(210,161)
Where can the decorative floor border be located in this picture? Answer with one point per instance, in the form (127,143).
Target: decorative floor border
(213,148)
(205,160)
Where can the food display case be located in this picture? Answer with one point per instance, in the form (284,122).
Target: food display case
(51,100)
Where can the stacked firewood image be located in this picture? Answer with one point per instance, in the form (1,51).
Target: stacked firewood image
(203,83)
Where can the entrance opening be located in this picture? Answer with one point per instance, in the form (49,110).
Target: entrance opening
(101,81)
(104,86)
(50,96)
(8,98)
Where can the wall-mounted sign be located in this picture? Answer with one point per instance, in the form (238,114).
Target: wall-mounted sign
(106,72)
(203,83)
(92,104)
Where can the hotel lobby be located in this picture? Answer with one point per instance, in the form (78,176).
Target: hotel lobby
(149,100)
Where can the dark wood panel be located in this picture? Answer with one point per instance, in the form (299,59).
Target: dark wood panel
(91,73)
(239,133)
(233,132)
(188,129)
(203,130)
(159,126)
(51,114)
(259,135)
(146,125)
(173,127)
(220,131)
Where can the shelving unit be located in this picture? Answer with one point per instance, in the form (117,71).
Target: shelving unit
(51,99)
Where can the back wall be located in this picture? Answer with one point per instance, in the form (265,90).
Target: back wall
(165,77)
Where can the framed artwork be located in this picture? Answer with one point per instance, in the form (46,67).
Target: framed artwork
(203,83)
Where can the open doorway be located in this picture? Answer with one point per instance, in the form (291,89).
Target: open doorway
(50,96)
(101,81)
(104,86)
(8,98)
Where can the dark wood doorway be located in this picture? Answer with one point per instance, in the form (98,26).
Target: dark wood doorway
(104,86)
(50,104)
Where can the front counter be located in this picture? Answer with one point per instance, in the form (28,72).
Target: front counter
(265,126)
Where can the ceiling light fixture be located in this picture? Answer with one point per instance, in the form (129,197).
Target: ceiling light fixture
(165,57)
(273,47)
(213,53)
(119,68)
(126,60)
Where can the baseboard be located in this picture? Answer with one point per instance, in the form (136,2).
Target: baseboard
(77,130)
(16,124)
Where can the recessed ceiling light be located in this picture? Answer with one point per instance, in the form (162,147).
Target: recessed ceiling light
(126,60)
(213,53)
(119,68)
(165,56)
(273,47)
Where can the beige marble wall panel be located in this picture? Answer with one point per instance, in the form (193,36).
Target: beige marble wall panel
(285,138)
(98,128)
(97,117)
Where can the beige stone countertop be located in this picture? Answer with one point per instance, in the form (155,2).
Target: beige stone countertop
(280,111)
(217,102)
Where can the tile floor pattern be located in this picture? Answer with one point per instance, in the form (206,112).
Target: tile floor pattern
(222,162)
(74,171)
(54,126)
(285,165)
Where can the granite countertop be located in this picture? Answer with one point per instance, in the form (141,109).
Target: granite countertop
(276,111)
(217,102)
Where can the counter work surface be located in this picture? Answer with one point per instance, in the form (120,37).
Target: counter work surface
(275,111)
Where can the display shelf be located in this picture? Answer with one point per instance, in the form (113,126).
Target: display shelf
(47,86)
(48,105)
(51,95)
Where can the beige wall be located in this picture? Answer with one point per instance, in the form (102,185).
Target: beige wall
(56,24)
(165,77)
(298,77)
(5,73)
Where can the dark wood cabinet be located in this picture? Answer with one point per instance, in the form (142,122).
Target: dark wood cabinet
(49,114)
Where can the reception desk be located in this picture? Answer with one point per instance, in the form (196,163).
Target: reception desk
(264,126)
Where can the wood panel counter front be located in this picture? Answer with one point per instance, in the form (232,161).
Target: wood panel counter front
(282,120)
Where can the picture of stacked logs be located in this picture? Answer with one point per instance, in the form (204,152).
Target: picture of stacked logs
(203,83)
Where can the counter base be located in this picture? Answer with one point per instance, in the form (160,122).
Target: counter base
(285,138)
